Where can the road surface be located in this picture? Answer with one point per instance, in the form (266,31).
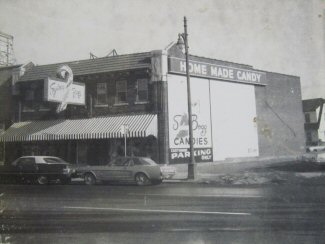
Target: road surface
(166,213)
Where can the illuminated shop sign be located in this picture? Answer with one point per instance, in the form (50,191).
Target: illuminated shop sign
(214,71)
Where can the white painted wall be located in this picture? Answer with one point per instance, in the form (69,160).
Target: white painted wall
(233,111)
(230,129)
(178,120)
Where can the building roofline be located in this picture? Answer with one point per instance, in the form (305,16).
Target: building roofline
(11,66)
(229,62)
(271,72)
(91,66)
(81,60)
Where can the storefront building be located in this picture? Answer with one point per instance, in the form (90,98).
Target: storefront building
(105,95)
(238,112)
(141,99)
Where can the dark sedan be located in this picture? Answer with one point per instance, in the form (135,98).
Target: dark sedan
(37,169)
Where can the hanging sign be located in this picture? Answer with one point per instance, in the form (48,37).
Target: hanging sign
(63,90)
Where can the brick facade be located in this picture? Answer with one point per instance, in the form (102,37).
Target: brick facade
(280,119)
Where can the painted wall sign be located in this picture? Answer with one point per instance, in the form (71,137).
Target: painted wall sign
(223,125)
(63,90)
(200,69)
(178,120)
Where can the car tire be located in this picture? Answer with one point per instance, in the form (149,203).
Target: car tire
(90,179)
(142,179)
(42,180)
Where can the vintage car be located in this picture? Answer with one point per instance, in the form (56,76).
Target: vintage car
(141,170)
(37,169)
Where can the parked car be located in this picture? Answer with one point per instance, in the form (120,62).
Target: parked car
(37,169)
(141,170)
(315,157)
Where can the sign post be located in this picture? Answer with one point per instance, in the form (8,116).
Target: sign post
(124,130)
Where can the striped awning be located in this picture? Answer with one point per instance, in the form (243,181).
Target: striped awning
(79,129)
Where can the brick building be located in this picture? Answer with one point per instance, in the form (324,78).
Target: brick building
(8,75)
(238,112)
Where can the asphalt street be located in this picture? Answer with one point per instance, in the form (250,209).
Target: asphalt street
(166,213)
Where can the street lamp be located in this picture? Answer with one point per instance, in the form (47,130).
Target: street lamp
(183,42)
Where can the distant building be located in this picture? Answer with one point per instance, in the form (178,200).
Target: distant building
(238,112)
(314,121)
(7,57)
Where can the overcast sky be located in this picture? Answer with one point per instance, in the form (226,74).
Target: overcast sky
(273,35)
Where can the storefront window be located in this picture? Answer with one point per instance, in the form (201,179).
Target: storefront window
(121,91)
(101,98)
(142,90)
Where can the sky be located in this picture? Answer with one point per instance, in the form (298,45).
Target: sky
(272,35)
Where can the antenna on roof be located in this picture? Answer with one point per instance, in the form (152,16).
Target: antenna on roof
(92,56)
(112,53)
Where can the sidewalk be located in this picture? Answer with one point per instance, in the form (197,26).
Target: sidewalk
(247,172)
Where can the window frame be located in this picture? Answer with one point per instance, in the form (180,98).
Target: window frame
(102,93)
(147,90)
(117,91)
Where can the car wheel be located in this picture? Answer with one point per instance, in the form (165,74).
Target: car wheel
(90,179)
(141,179)
(42,180)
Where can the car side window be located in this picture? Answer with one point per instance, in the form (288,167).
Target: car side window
(137,162)
(27,164)
(53,160)
(120,162)
(20,162)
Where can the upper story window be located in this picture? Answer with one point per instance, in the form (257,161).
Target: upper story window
(142,90)
(29,101)
(101,94)
(121,91)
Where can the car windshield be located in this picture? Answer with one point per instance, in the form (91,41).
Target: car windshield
(54,161)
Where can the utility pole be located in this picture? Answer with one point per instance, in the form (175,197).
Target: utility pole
(183,40)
